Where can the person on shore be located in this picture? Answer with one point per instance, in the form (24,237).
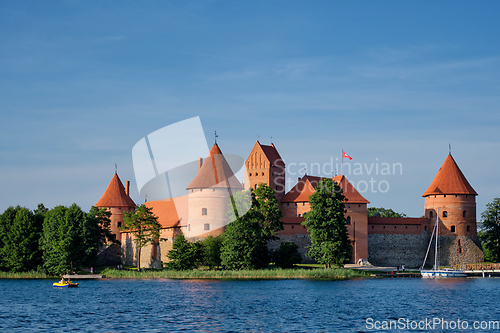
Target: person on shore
(403,268)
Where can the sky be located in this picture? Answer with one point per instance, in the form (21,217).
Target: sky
(392,83)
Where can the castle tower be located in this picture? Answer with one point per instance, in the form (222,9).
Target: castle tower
(265,165)
(116,199)
(209,196)
(451,194)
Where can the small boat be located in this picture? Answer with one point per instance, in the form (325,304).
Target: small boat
(437,272)
(65,284)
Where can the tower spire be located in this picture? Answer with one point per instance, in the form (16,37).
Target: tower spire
(449,149)
(216,136)
(116,168)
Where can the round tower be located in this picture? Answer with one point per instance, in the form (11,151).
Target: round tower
(451,195)
(116,199)
(209,196)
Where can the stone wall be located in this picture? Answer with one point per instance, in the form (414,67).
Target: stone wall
(393,249)
(459,250)
(302,240)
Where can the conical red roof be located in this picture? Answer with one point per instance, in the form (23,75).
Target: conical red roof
(115,195)
(215,172)
(449,180)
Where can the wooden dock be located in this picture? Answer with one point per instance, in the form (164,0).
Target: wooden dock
(398,275)
(83,276)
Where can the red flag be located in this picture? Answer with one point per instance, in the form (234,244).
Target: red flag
(344,155)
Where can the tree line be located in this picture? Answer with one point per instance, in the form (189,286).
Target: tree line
(52,241)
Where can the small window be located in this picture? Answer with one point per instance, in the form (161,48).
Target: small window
(464,213)
(348,220)
(468,228)
(394,227)
(372,227)
(288,204)
(425,228)
(292,226)
(203,211)
(250,174)
(458,242)
(359,205)
(459,250)
(431,214)
(276,187)
(452,228)
(406,227)
(445,195)
(299,215)
(445,214)
(348,206)
(295,204)
(120,224)
(256,185)
(384,227)
(206,226)
(189,227)
(303,204)
(262,174)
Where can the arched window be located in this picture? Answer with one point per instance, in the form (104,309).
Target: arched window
(458,242)
(468,228)
(445,214)
(203,211)
(452,228)
(299,215)
(348,220)
(431,214)
(250,174)
(464,213)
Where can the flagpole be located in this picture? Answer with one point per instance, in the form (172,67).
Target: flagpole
(342,165)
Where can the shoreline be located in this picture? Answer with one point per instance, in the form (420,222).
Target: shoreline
(270,274)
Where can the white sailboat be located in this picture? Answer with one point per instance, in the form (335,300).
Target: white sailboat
(436,272)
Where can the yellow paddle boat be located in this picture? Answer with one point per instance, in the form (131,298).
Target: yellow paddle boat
(65,284)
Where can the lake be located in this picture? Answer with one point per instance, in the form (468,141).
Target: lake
(163,305)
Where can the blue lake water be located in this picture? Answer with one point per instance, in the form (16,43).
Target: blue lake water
(163,305)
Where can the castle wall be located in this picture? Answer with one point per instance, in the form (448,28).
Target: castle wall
(398,249)
(152,256)
(458,251)
(302,241)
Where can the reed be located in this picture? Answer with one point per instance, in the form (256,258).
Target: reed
(319,273)
(25,275)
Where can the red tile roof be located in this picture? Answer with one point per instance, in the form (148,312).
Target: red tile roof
(170,212)
(272,155)
(449,180)
(215,172)
(305,187)
(115,195)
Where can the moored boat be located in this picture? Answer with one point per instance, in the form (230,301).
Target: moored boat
(437,272)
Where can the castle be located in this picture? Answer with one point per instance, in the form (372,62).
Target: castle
(382,241)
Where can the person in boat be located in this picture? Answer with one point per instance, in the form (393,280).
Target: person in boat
(62,280)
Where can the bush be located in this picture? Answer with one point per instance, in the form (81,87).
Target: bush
(287,255)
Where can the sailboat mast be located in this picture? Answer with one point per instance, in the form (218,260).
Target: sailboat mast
(436,248)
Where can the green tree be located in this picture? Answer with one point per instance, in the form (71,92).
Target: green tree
(244,245)
(287,255)
(21,251)
(211,251)
(185,255)
(490,231)
(61,240)
(330,244)
(144,226)
(94,232)
(383,212)
(245,241)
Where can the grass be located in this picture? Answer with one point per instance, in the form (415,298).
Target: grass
(298,273)
(25,275)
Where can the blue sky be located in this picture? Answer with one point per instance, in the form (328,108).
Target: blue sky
(389,82)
